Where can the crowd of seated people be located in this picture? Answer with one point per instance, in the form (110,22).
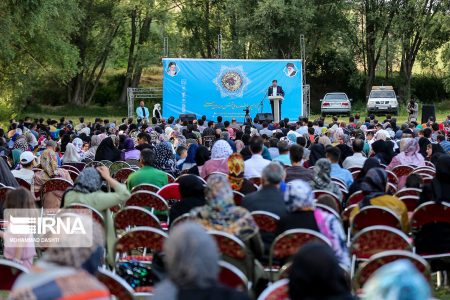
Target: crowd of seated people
(291,169)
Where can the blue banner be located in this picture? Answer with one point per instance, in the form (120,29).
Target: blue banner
(225,87)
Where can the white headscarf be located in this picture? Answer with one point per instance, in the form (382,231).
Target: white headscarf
(71,155)
(221,150)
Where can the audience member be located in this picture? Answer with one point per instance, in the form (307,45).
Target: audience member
(357,159)
(255,165)
(333,155)
(296,170)
(148,173)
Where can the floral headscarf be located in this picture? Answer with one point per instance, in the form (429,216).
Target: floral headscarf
(49,162)
(221,150)
(220,212)
(373,185)
(322,178)
(78,143)
(298,196)
(165,160)
(236,171)
(410,153)
(21,144)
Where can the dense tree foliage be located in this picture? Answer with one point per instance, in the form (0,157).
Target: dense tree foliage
(77,49)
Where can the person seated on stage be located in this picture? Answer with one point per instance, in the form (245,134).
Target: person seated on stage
(142,111)
(255,165)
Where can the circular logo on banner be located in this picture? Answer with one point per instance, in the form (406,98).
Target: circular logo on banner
(232,81)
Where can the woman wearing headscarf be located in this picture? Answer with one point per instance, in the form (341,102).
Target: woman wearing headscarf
(49,166)
(129,152)
(220,213)
(317,151)
(236,175)
(192,264)
(15,153)
(189,162)
(107,150)
(345,145)
(220,152)
(21,144)
(434,152)
(87,190)
(435,237)
(165,159)
(368,164)
(374,190)
(383,151)
(322,178)
(78,143)
(192,191)
(6,177)
(303,214)
(71,155)
(95,142)
(65,139)
(66,272)
(201,157)
(315,274)
(397,281)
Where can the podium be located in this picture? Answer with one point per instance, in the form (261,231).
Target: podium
(276,107)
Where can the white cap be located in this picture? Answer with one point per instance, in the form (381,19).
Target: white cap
(27,157)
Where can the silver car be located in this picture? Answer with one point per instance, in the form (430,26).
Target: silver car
(336,103)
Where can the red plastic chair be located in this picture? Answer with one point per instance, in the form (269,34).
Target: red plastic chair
(83,208)
(181,219)
(355,174)
(201,179)
(391,177)
(408,192)
(10,271)
(53,185)
(375,215)
(3,191)
(392,188)
(73,175)
(339,182)
(145,187)
(402,170)
(318,193)
(132,216)
(78,165)
(266,221)
(170,192)
(426,179)
(351,170)
(328,209)
(116,285)
(425,170)
(410,201)
(170,178)
(380,259)
(289,242)
(69,167)
(430,212)
(147,199)
(355,198)
(151,239)
(238,196)
(232,277)
(279,290)
(430,164)
(116,166)
(23,183)
(123,174)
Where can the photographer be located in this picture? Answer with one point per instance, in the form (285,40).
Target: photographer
(413,111)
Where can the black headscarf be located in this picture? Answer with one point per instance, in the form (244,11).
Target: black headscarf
(202,155)
(383,151)
(368,164)
(441,183)
(107,151)
(423,143)
(6,177)
(438,151)
(346,151)
(65,139)
(191,186)
(373,185)
(317,151)
(315,274)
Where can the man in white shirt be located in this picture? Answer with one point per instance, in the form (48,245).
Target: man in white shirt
(265,130)
(254,166)
(26,171)
(357,159)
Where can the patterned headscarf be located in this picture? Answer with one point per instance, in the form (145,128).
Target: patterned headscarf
(373,185)
(49,162)
(165,160)
(221,150)
(88,181)
(322,171)
(236,171)
(298,196)
(78,143)
(21,144)
(220,212)
(399,280)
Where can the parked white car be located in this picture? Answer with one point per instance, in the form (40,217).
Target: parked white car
(336,103)
(382,99)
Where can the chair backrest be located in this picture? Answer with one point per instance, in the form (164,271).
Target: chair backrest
(170,178)
(229,245)
(132,216)
(10,271)
(410,201)
(355,198)
(96,215)
(355,174)
(391,177)
(287,244)
(430,164)
(374,215)
(78,165)
(408,192)
(140,237)
(122,174)
(430,212)
(391,188)
(116,285)
(170,192)
(23,183)
(255,180)
(426,179)
(186,174)
(318,193)
(95,164)
(265,220)
(181,219)
(425,170)
(147,199)
(279,290)
(380,259)
(116,166)
(339,182)
(3,191)
(232,277)
(145,187)
(353,169)
(376,239)
(237,197)
(133,162)
(73,175)
(54,184)
(69,167)
(402,170)
(328,209)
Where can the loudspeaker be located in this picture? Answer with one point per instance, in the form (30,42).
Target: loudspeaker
(264,117)
(428,110)
(188,117)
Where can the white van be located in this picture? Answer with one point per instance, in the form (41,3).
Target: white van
(382,99)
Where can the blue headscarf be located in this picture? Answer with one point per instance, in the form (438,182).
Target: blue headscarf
(192,151)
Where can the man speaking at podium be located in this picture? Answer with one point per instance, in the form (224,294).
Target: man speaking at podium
(275,90)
